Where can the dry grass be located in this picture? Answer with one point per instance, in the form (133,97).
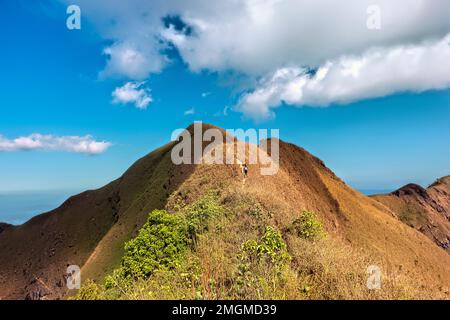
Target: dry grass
(327,268)
(361,232)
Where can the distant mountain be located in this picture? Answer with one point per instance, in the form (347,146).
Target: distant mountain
(426,210)
(90,230)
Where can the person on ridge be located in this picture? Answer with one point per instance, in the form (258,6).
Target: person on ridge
(245,169)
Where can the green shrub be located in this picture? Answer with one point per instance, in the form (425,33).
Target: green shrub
(118,280)
(199,214)
(261,265)
(159,244)
(308,226)
(271,248)
(89,291)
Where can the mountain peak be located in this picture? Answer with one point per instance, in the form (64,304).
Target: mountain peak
(204,127)
(411,189)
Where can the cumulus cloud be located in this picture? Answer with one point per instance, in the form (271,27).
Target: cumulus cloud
(376,73)
(133,92)
(78,144)
(256,36)
(259,38)
(135,50)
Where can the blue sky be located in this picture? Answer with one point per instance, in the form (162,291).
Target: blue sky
(50,84)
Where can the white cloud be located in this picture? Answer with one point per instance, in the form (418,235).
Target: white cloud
(256,38)
(128,61)
(259,36)
(78,144)
(189,111)
(376,73)
(133,92)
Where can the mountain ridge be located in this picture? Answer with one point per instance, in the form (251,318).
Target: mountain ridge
(90,229)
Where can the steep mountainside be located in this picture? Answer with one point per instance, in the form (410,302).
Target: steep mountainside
(34,256)
(90,229)
(427,210)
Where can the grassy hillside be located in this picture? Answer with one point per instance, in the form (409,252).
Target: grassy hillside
(227,246)
(254,243)
(35,255)
(205,232)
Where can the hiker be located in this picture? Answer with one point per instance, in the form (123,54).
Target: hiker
(245,169)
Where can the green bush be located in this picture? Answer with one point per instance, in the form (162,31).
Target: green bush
(199,214)
(118,280)
(308,226)
(159,244)
(89,291)
(261,265)
(271,248)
